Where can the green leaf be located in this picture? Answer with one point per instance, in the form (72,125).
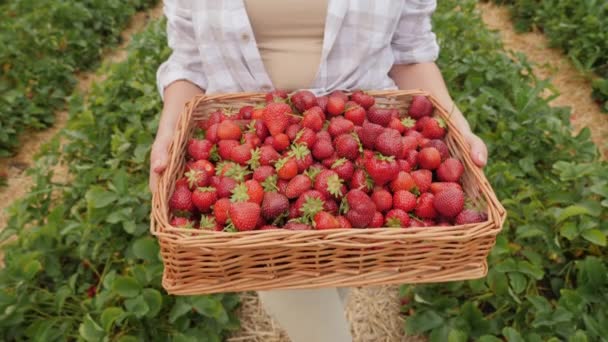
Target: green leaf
(128,338)
(126,286)
(569,230)
(210,307)
(31,268)
(146,248)
(154,300)
(595,236)
(456,335)
(109,316)
(518,282)
(579,336)
(137,306)
(489,338)
(97,197)
(89,330)
(512,335)
(180,308)
(573,210)
(422,322)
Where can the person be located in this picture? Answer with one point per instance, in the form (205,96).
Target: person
(319,45)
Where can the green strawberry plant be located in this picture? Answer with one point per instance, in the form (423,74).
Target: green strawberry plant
(84,265)
(547,275)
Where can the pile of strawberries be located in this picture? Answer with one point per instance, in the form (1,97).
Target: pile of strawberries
(307,162)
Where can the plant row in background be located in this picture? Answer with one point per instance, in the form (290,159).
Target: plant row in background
(548,275)
(86,266)
(43,44)
(580,28)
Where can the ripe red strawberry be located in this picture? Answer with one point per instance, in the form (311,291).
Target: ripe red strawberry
(409,143)
(254,191)
(315,201)
(307,137)
(330,184)
(437,187)
(360,181)
(287,168)
(449,202)
(440,146)
(275,117)
(297,186)
(363,99)
(228,130)
(312,119)
(274,205)
(389,143)
(339,125)
(344,168)
(420,123)
(323,135)
(199,148)
(404,165)
(381,171)
(331,206)
(347,146)
(423,179)
(181,199)
(268,155)
(322,102)
(204,197)
(322,149)
(361,209)
(404,200)
(412,158)
(369,133)
(263,172)
(251,139)
(241,154)
(276,95)
(335,105)
(377,221)
(414,134)
(429,158)
(450,170)
(382,199)
(380,116)
(397,218)
(220,210)
(181,222)
(297,226)
(325,220)
(305,162)
(269,227)
(340,94)
(225,147)
(201,165)
(245,112)
(434,128)
(419,107)
(470,216)
(282,185)
(244,215)
(403,181)
(344,222)
(424,206)
(280,142)
(211,133)
(261,130)
(355,113)
(225,187)
(303,100)
(292,131)
(197,178)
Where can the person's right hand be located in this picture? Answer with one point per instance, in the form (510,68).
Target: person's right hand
(159,156)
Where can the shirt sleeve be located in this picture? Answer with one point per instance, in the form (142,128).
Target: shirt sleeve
(185,61)
(414,40)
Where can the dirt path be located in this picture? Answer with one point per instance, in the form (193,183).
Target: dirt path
(574,89)
(18,182)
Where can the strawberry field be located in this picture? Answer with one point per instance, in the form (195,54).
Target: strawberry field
(79,262)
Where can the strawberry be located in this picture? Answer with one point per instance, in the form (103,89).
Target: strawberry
(225,187)
(329,184)
(322,149)
(397,125)
(312,119)
(355,113)
(251,139)
(424,206)
(420,123)
(344,168)
(344,222)
(280,142)
(209,223)
(339,125)
(261,130)
(404,200)
(258,113)
(361,209)
(263,172)
(297,186)
(276,96)
(325,220)
(292,131)
(274,205)
(389,143)
(377,221)
(255,191)
(440,146)
(412,158)
(369,133)
(268,155)
(379,116)
(449,202)
(181,199)
(434,128)
(204,197)
(303,100)
(201,165)
(225,147)
(429,158)
(211,133)
(306,137)
(245,112)
(297,226)
(244,215)
(268,227)
(322,102)
(403,181)
(241,154)
(415,134)
(181,222)
(220,210)
(347,146)
(335,105)
(437,187)
(299,203)
(323,135)
(339,93)
(197,178)
(404,165)
(382,199)
(361,181)
(419,107)
(381,170)
(363,99)
(470,216)
(228,130)
(217,117)
(282,185)
(287,168)
(423,179)
(450,170)
(397,218)
(199,148)
(304,162)
(275,117)
(331,206)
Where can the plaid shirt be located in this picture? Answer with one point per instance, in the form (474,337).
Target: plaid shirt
(214,46)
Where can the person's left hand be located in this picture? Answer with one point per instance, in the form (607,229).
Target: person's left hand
(478,149)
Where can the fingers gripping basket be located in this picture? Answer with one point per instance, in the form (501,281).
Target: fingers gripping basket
(200,261)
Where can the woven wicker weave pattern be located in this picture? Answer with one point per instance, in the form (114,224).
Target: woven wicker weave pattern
(199,261)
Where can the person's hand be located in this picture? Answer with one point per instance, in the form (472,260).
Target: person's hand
(159,156)
(478,149)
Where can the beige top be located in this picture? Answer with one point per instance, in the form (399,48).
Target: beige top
(289,35)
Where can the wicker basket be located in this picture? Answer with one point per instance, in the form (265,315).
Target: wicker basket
(200,262)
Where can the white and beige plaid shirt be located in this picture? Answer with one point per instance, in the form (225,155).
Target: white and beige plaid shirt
(214,46)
